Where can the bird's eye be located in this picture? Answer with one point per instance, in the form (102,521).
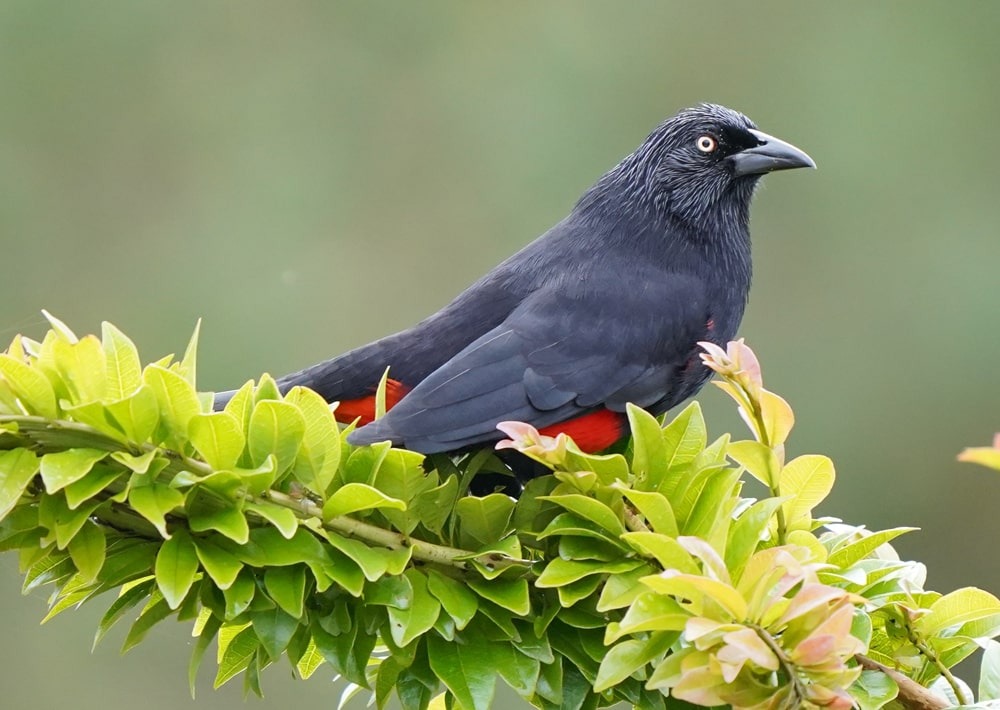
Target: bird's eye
(706,144)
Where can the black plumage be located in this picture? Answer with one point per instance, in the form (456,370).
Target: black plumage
(605,308)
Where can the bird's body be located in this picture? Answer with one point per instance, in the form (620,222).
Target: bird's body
(605,308)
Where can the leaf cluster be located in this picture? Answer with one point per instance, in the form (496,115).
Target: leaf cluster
(647,575)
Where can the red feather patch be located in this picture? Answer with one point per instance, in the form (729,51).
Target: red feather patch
(592,432)
(363,408)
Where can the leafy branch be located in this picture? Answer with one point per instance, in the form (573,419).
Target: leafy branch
(644,575)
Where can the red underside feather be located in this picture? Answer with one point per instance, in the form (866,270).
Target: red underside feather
(363,408)
(591,432)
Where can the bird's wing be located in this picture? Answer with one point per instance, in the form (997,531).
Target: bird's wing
(566,349)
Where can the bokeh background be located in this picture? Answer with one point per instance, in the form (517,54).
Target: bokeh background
(307,176)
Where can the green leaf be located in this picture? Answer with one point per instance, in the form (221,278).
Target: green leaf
(240,594)
(511,594)
(373,561)
(55,514)
(287,587)
(228,520)
(122,366)
(221,565)
(455,597)
(353,497)
(137,415)
(30,386)
(155,611)
(87,548)
(697,589)
(434,507)
(958,607)
(808,480)
(401,475)
(17,468)
(267,547)
(63,330)
(685,437)
(177,400)
(747,533)
(468,669)
(484,520)
(649,451)
(518,670)
(559,572)
(205,637)
(407,624)
(129,597)
(176,566)
(274,628)
(873,689)
(621,590)
(275,428)
(188,364)
(319,456)
(649,612)
(153,502)
(141,463)
(310,661)
(284,519)
(664,549)
(218,437)
(759,460)
(62,468)
(590,509)
(82,368)
(627,657)
(655,508)
(236,655)
(848,554)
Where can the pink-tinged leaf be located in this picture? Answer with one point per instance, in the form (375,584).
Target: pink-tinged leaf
(747,645)
(712,563)
(700,686)
(527,439)
(810,597)
(814,650)
(831,698)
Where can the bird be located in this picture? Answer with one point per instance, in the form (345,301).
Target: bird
(604,309)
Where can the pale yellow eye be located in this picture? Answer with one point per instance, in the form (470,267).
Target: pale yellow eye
(706,144)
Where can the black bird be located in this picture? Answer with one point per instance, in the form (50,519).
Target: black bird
(605,308)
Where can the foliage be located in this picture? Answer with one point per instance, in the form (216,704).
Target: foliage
(644,575)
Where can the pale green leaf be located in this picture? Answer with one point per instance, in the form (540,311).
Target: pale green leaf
(176,566)
(759,460)
(87,549)
(806,480)
(64,467)
(958,607)
(124,371)
(153,502)
(236,655)
(218,437)
(353,497)
(275,428)
(30,386)
(17,468)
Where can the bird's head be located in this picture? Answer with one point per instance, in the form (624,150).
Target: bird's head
(703,163)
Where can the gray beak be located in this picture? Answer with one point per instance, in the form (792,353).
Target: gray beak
(770,155)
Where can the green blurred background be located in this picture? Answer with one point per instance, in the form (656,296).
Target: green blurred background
(309,176)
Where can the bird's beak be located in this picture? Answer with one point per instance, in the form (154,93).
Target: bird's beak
(769,155)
